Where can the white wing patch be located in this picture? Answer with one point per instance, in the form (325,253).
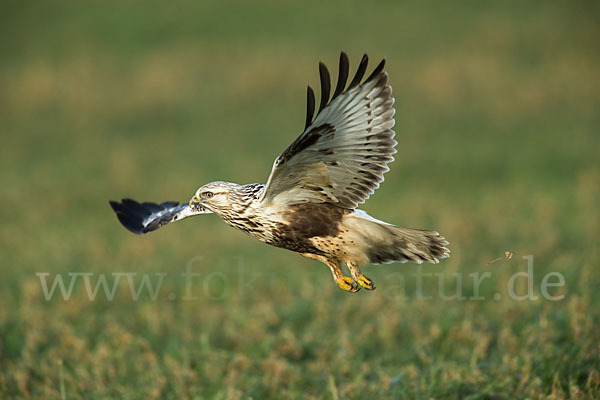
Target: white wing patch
(341,156)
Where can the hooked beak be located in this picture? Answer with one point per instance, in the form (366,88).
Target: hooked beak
(195,200)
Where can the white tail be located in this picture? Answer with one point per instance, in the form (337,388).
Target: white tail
(386,243)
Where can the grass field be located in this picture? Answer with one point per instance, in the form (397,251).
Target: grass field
(497,123)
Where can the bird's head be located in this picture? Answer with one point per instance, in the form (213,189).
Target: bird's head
(215,196)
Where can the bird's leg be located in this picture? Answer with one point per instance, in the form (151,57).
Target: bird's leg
(344,282)
(359,277)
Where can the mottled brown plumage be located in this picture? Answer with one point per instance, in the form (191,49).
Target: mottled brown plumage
(309,204)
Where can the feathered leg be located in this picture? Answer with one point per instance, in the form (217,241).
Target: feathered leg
(358,276)
(344,282)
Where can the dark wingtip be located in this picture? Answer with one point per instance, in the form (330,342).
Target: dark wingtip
(141,218)
(377,70)
(130,214)
(310,106)
(325,85)
(344,68)
(342,75)
(360,72)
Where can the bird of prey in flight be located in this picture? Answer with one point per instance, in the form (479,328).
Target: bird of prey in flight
(309,203)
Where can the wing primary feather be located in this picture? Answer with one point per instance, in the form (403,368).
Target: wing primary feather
(325,85)
(342,75)
(377,70)
(145,217)
(362,68)
(310,106)
(341,156)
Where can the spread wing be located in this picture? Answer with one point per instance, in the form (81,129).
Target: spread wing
(341,156)
(142,218)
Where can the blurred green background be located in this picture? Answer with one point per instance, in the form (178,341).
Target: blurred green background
(497,123)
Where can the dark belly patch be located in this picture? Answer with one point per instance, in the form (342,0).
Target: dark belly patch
(306,221)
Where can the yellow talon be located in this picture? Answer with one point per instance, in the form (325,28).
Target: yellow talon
(347,284)
(366,283)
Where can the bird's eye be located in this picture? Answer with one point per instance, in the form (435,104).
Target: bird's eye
(207,195)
